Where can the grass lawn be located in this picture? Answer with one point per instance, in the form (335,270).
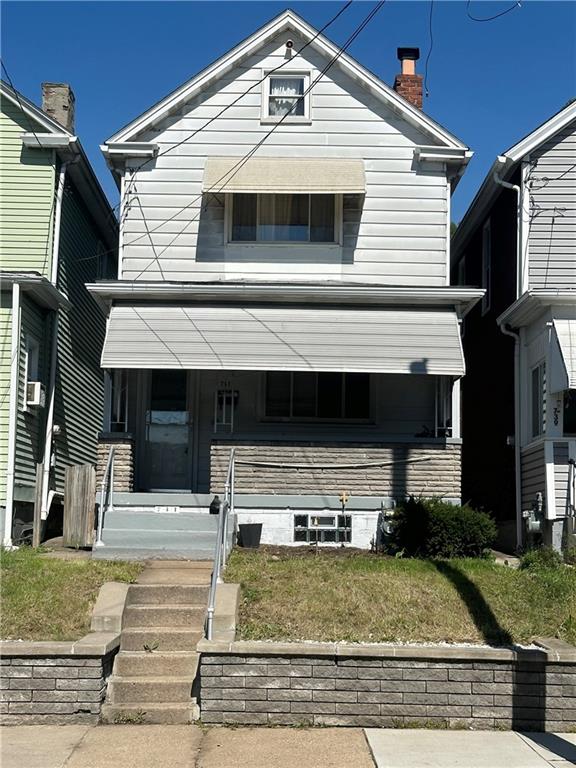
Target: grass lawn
(46,598)
(296,594)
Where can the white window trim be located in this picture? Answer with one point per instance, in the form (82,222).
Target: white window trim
(265,117)
(543,397)
(336,243)
(487,266)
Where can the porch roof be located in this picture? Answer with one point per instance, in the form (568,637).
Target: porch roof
(284,339)
(563,368)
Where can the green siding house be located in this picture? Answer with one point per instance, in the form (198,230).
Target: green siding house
(57,232)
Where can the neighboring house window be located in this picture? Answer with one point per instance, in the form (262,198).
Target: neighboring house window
(283,218)
(32,391)
(538,399)
(570,412)
(486,266)
(330,396)
(285,97)
(105,267)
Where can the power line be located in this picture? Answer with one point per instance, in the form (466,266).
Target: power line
(517,4)
(242,95)
(429,49)
(236,168)
(11,84)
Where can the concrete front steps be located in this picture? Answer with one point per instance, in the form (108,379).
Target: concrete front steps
(161,531)
(154,672)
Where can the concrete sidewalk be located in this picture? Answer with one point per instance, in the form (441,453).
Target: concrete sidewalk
(160,746)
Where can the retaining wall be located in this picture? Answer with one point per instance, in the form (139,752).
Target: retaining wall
(388,686)
(58,683)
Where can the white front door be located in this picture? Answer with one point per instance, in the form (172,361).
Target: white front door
(168,433)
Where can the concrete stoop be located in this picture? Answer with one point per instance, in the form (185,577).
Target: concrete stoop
(155,669)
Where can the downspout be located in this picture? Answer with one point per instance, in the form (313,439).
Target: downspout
(13,416)
(515,188)
(517,456)
(49,433)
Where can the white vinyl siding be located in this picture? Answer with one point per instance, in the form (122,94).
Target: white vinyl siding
(552,234)
(396,234)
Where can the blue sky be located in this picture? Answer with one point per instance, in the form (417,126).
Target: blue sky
(490,83)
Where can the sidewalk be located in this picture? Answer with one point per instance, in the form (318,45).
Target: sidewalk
(158,746)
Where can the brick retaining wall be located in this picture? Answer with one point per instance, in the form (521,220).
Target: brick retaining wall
(53,689)
(60,683)
(438,475)
(456,687)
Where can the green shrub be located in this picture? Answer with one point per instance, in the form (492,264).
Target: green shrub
(570,555)
(544,558)
(438,529)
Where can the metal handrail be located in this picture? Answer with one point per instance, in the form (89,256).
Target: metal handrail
(221,550)
(106,495)
(572,494)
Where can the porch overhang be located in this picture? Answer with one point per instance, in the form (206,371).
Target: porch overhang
(277,175)
(284,339)
(563,356)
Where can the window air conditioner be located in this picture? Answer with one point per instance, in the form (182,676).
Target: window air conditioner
(35,394)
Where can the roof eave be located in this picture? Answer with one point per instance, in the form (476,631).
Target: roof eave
(461,299)
(287,19)
(532,303)
(38,287)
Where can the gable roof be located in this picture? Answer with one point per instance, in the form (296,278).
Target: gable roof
(55,136)
(287,21)
(504,166)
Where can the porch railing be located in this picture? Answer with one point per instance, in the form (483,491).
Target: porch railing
(106,503)
(221,550)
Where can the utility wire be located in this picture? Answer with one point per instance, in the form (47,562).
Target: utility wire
(16,93)
(517,4)
(236,168)
(231,171)
(242,95)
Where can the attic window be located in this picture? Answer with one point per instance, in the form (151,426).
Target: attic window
(285,98)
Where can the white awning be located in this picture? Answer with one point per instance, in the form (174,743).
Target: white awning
(563,356)
(275,175)
(284,339)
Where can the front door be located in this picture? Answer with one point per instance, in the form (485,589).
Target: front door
(167,449)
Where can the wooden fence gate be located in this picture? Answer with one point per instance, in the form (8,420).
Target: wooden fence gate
(79,506)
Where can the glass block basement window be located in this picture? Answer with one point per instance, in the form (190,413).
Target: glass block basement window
(323,529)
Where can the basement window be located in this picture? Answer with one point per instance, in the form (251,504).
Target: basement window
(323,529)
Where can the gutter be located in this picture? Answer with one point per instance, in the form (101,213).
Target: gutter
(46,497)
(13,413)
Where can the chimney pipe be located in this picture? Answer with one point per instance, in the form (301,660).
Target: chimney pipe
(58,102)
(408,84)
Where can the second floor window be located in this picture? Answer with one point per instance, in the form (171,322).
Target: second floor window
(285,97)
(283,218)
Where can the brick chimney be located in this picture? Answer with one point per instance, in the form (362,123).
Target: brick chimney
(58,102)
(408,84)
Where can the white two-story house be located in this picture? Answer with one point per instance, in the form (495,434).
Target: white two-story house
(283,290)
